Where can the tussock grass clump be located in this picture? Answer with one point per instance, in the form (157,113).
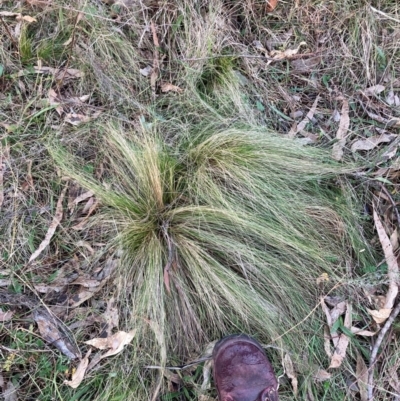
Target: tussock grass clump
(222,231)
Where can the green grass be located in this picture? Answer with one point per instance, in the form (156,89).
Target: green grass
(217,205)
(203,179)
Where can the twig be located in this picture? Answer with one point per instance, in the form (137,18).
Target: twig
(9,33)
(375,349)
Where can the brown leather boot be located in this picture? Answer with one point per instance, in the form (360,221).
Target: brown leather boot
(242,371)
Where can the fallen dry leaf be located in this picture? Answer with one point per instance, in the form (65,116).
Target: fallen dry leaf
(156,60)
(362,377)
(45,289)
(5,316)
(327,312)
(55,332)
(290,373)
(344,124)
(111,317)
(394,239)
(82,223)
(360,332)
(167,87)
(338,311)
(76,119)
(300,127)
(391,260)
(59,73)
(8,14)
(54,101)
(394,378)
(322,375)
(114,343)
(327,342)
(340,351)
(53,226)
(79,374)
(26,18)
(389,122)
(380,316)
(85,293)
(284,54)
(341,342)
(271,5)
(374,90)
(372,142)
(72,203)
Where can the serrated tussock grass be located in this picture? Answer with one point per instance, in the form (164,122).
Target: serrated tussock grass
(222,230)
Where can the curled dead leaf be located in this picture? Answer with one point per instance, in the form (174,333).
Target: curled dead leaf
(321,375)
(77,119)
(300,127)
(54,101)
(26,18)
(342,341)
(79,374)
(374,90)
(167,87)
(391,260)
(271,5)
(115,343)
(361,332)
(380,316)
(53,226)
(290,373)
(285,54)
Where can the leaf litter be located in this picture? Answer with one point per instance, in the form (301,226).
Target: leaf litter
(79,374)
(298,128)
(341,134)
(391,260)
(52,228)
(290,373)
(55,332)
(372,142)
(339,340)
(362,377)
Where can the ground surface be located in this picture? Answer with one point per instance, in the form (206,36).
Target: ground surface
(109,109)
